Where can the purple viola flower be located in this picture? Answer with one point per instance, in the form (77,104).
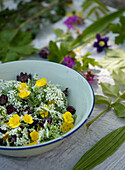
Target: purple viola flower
(3,99)
(44,52)
(23,77)
(101,43)
(73,21)
(89,76)
(69,61)
(71,109)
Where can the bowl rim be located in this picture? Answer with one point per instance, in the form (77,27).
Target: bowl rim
(66,134)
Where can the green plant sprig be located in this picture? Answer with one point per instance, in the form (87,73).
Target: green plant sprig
(114,91)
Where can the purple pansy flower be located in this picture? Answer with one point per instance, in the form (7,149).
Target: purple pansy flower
(69,61)
(101,43)
(74,20)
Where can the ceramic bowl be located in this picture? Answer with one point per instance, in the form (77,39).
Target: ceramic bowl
(81,96)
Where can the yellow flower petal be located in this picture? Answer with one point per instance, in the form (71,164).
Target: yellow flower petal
(67,126)
(14,121)
(34,135)
(41,82)
(68,117)
(32,143)
(23,86)
(28,119)
(23,93)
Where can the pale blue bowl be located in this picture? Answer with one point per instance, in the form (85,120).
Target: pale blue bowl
(81,96)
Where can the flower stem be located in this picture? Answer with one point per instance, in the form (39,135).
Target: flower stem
(89,123)
(38,13)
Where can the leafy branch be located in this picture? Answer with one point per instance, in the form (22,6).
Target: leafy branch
(94,7)
(114,91)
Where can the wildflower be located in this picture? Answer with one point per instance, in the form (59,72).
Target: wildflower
(41,82)
(68,117)
(41,122)
(23,86)
(14,121)
(10,109)
(71,109)
(69,61)
(65,91)
(23,93)
(23,77)
(67,126)
(89,76)
(34,135)
(74,21)
(44,113)
(44,52)
(28,119)
(101,43)
(3,99)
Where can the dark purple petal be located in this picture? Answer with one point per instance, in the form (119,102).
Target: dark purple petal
(98,36)
(99,49)
(3,99)
(71,109)
(106,39)
(23,77)
(10,109)
(95,44)
(66,92)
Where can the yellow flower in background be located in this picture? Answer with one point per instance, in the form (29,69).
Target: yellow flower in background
(41,82)
(68,117)
(34,135)
(14,121)
(67,126)
(28,119)
(23,93)
(23,86)
(44,113)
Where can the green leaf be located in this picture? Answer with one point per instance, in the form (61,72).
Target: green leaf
(102,100)
(59,32)
(101,150)
(8,35)
(55,53)
(122,96)
(119,76)
(119,109)
(114,62)
(97,27)
(64,49)
(111,90)
(119,29)
(15,45)
(86,4)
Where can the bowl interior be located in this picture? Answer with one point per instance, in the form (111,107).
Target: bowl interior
(81,95)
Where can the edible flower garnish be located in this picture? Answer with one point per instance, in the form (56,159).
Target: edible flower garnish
(41,82)
(14,121)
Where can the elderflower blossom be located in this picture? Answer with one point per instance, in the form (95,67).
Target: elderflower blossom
(32,111)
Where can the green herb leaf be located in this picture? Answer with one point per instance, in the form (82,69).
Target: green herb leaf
(114,62)
(119,76)
(102,100)
(14,45)
(56,54)
(59,32)
(102,150)
(97,27)
(111,90)
(123,96)
(119,29)
(119,109)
